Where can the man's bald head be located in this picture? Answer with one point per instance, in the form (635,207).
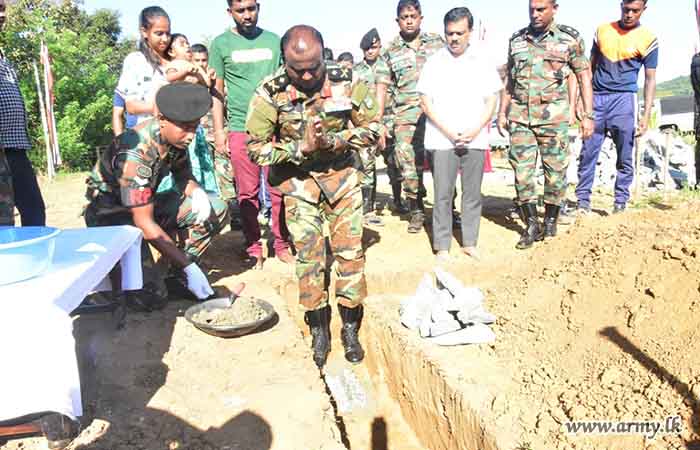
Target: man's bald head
(301,39)
(302,47)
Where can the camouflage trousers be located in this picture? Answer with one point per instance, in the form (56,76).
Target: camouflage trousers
(410,156)
(551,142)
(368,175)
(223,169)
(344,219)
(392,166)
(7,197)
(173,213)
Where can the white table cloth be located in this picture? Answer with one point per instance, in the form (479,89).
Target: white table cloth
(40,370)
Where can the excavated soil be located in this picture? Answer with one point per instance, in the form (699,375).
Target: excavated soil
(599,323)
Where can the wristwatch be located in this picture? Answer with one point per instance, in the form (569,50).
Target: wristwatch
(589,115)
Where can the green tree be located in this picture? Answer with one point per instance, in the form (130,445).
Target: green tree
(86,59)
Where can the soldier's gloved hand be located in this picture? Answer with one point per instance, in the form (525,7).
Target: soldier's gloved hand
(201,207)
(197,282)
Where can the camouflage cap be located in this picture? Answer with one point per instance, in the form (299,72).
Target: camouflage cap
(183,102)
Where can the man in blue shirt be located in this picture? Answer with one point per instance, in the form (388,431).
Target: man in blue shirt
(620,49)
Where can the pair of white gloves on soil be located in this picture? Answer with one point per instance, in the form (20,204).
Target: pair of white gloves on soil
(197,281)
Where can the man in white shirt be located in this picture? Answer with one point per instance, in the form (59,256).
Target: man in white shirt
(458,88)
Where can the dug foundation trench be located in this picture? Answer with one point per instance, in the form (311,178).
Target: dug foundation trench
(445,406)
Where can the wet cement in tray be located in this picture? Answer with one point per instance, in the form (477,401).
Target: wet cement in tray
(243,311)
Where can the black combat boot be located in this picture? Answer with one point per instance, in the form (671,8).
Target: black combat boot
(319,325)
(415,221)
(421,195)
(533,231)
(351,317)
(399,205)
(551,215)
(367,205)
(372,218)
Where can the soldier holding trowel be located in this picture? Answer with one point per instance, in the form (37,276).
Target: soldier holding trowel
(122,190)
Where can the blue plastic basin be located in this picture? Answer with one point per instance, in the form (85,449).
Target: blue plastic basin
(25,252)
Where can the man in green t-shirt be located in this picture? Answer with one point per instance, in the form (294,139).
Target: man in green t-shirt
(242,56)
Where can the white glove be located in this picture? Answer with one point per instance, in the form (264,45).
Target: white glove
(197,282)
(200,205)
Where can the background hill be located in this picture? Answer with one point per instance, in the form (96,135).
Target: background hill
(677,86)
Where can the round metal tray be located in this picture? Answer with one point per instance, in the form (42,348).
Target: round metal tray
(228,331)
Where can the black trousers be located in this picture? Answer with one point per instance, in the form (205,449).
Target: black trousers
(28,200)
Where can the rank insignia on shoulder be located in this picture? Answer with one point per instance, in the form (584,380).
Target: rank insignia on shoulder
(518,33)
(276,85)
(338,73)
(570,31)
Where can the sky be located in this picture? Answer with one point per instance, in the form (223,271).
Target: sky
(343,23)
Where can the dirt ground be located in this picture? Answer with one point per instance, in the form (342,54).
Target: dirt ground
(599,323)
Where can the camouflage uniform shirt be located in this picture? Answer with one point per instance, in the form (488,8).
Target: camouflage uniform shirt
(404,65)
(538,67)
(368,74)
(129,172)
(277,119)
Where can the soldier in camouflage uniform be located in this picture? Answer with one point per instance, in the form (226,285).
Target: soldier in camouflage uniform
(366,70)
(405,57)
(7,198)
(535,107)
(122,190)
(389,153)
(299,123)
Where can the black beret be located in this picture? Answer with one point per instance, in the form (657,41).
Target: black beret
(369,38)
(183,102)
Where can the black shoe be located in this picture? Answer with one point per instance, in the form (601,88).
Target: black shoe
(415,222)
(319,325)
(148,299)
(619,208)
(533,231)
(352,318)
(551,215)
(59,430)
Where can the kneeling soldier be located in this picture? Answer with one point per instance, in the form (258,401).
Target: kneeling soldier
(122,190)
